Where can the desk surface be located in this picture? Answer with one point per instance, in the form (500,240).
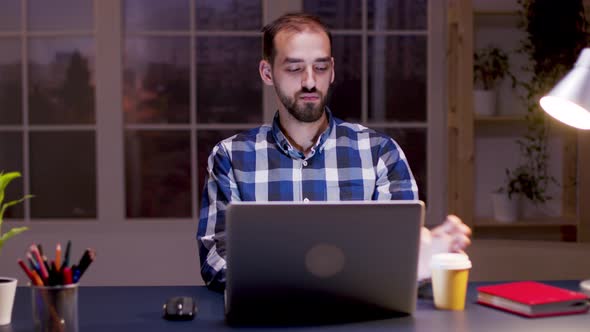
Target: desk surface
(139,309)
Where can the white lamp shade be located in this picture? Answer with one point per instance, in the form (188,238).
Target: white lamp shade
(569,100)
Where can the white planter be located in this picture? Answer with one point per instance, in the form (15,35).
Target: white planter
(7,292)
(506,210)
(484,102)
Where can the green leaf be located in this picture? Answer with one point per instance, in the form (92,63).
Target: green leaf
(5,179)
(11,233)
(12,203)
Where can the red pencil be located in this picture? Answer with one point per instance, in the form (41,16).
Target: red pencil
(27,271)
(67,275)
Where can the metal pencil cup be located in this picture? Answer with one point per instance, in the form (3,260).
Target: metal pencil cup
(55,308)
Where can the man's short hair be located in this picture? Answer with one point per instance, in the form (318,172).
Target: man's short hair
(294,22)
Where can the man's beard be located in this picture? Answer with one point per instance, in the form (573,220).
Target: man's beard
(308,112)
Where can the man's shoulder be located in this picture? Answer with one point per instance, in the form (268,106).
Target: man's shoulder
(250,136)
(357,130)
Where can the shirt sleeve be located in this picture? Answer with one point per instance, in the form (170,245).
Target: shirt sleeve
(218,191)
(394,177)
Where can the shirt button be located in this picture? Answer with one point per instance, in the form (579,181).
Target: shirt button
(305,163)
(306,200)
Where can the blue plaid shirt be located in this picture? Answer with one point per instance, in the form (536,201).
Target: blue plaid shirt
(348,162)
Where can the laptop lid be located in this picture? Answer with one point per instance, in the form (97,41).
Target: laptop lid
(295,260)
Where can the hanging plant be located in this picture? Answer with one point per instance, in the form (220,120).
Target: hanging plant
(556,32)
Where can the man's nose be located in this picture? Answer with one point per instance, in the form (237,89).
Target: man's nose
(308,79)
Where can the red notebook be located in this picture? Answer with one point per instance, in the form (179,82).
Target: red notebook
(532,299)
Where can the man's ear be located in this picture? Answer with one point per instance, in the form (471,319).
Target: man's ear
(333,71)
(265,70)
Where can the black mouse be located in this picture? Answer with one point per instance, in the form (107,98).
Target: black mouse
(180,308)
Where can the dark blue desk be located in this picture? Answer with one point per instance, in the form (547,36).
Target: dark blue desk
(114,309)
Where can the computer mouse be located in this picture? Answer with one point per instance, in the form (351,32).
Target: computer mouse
(180,308)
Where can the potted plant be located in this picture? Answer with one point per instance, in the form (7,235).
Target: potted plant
(7,285)
(555,34)
(490,67)
(520,183)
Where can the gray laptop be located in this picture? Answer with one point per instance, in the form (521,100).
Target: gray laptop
(299,262)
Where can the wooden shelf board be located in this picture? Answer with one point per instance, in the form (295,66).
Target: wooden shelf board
(495,12)
(533,222)
(499,118)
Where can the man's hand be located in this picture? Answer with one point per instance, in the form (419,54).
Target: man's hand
(451,236)
(453,232)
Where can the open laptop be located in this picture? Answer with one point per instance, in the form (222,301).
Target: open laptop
(321,261)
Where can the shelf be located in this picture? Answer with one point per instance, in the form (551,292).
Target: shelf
(528,223)
(563,229)
(499,119)
(496,18)
(495,12)
(513,122)
(500,125)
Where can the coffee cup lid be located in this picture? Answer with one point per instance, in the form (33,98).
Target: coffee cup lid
(450,261)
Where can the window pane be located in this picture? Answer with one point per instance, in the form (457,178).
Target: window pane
(228,14)
(229,88)
(11,160)
(157,80)
(397,78)
(158,174)
(206,140)
(10,81)
(61,86)
(10,15)
(60,15)
(337,14)
(413,143)
(397,14)
(346,100)
(63,174)
(156,15)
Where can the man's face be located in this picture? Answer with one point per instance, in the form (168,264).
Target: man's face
(302,72)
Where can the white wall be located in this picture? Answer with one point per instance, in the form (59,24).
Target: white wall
(153,254)
(501,260)
(128,257)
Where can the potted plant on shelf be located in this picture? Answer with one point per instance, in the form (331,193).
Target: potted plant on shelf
(490,67)
(520,183)
(7,285)
(555,34)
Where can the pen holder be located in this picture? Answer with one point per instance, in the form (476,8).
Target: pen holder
(55,308)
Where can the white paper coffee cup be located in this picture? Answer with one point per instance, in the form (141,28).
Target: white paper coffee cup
(450,273)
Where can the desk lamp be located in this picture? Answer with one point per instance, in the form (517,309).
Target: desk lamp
(569,102)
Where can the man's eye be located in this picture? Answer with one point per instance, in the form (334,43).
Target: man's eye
(293,69)
(321,68)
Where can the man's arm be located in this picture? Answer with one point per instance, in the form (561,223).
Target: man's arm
(394,179)
(218,191)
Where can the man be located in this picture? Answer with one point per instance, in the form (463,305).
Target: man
(306,154)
